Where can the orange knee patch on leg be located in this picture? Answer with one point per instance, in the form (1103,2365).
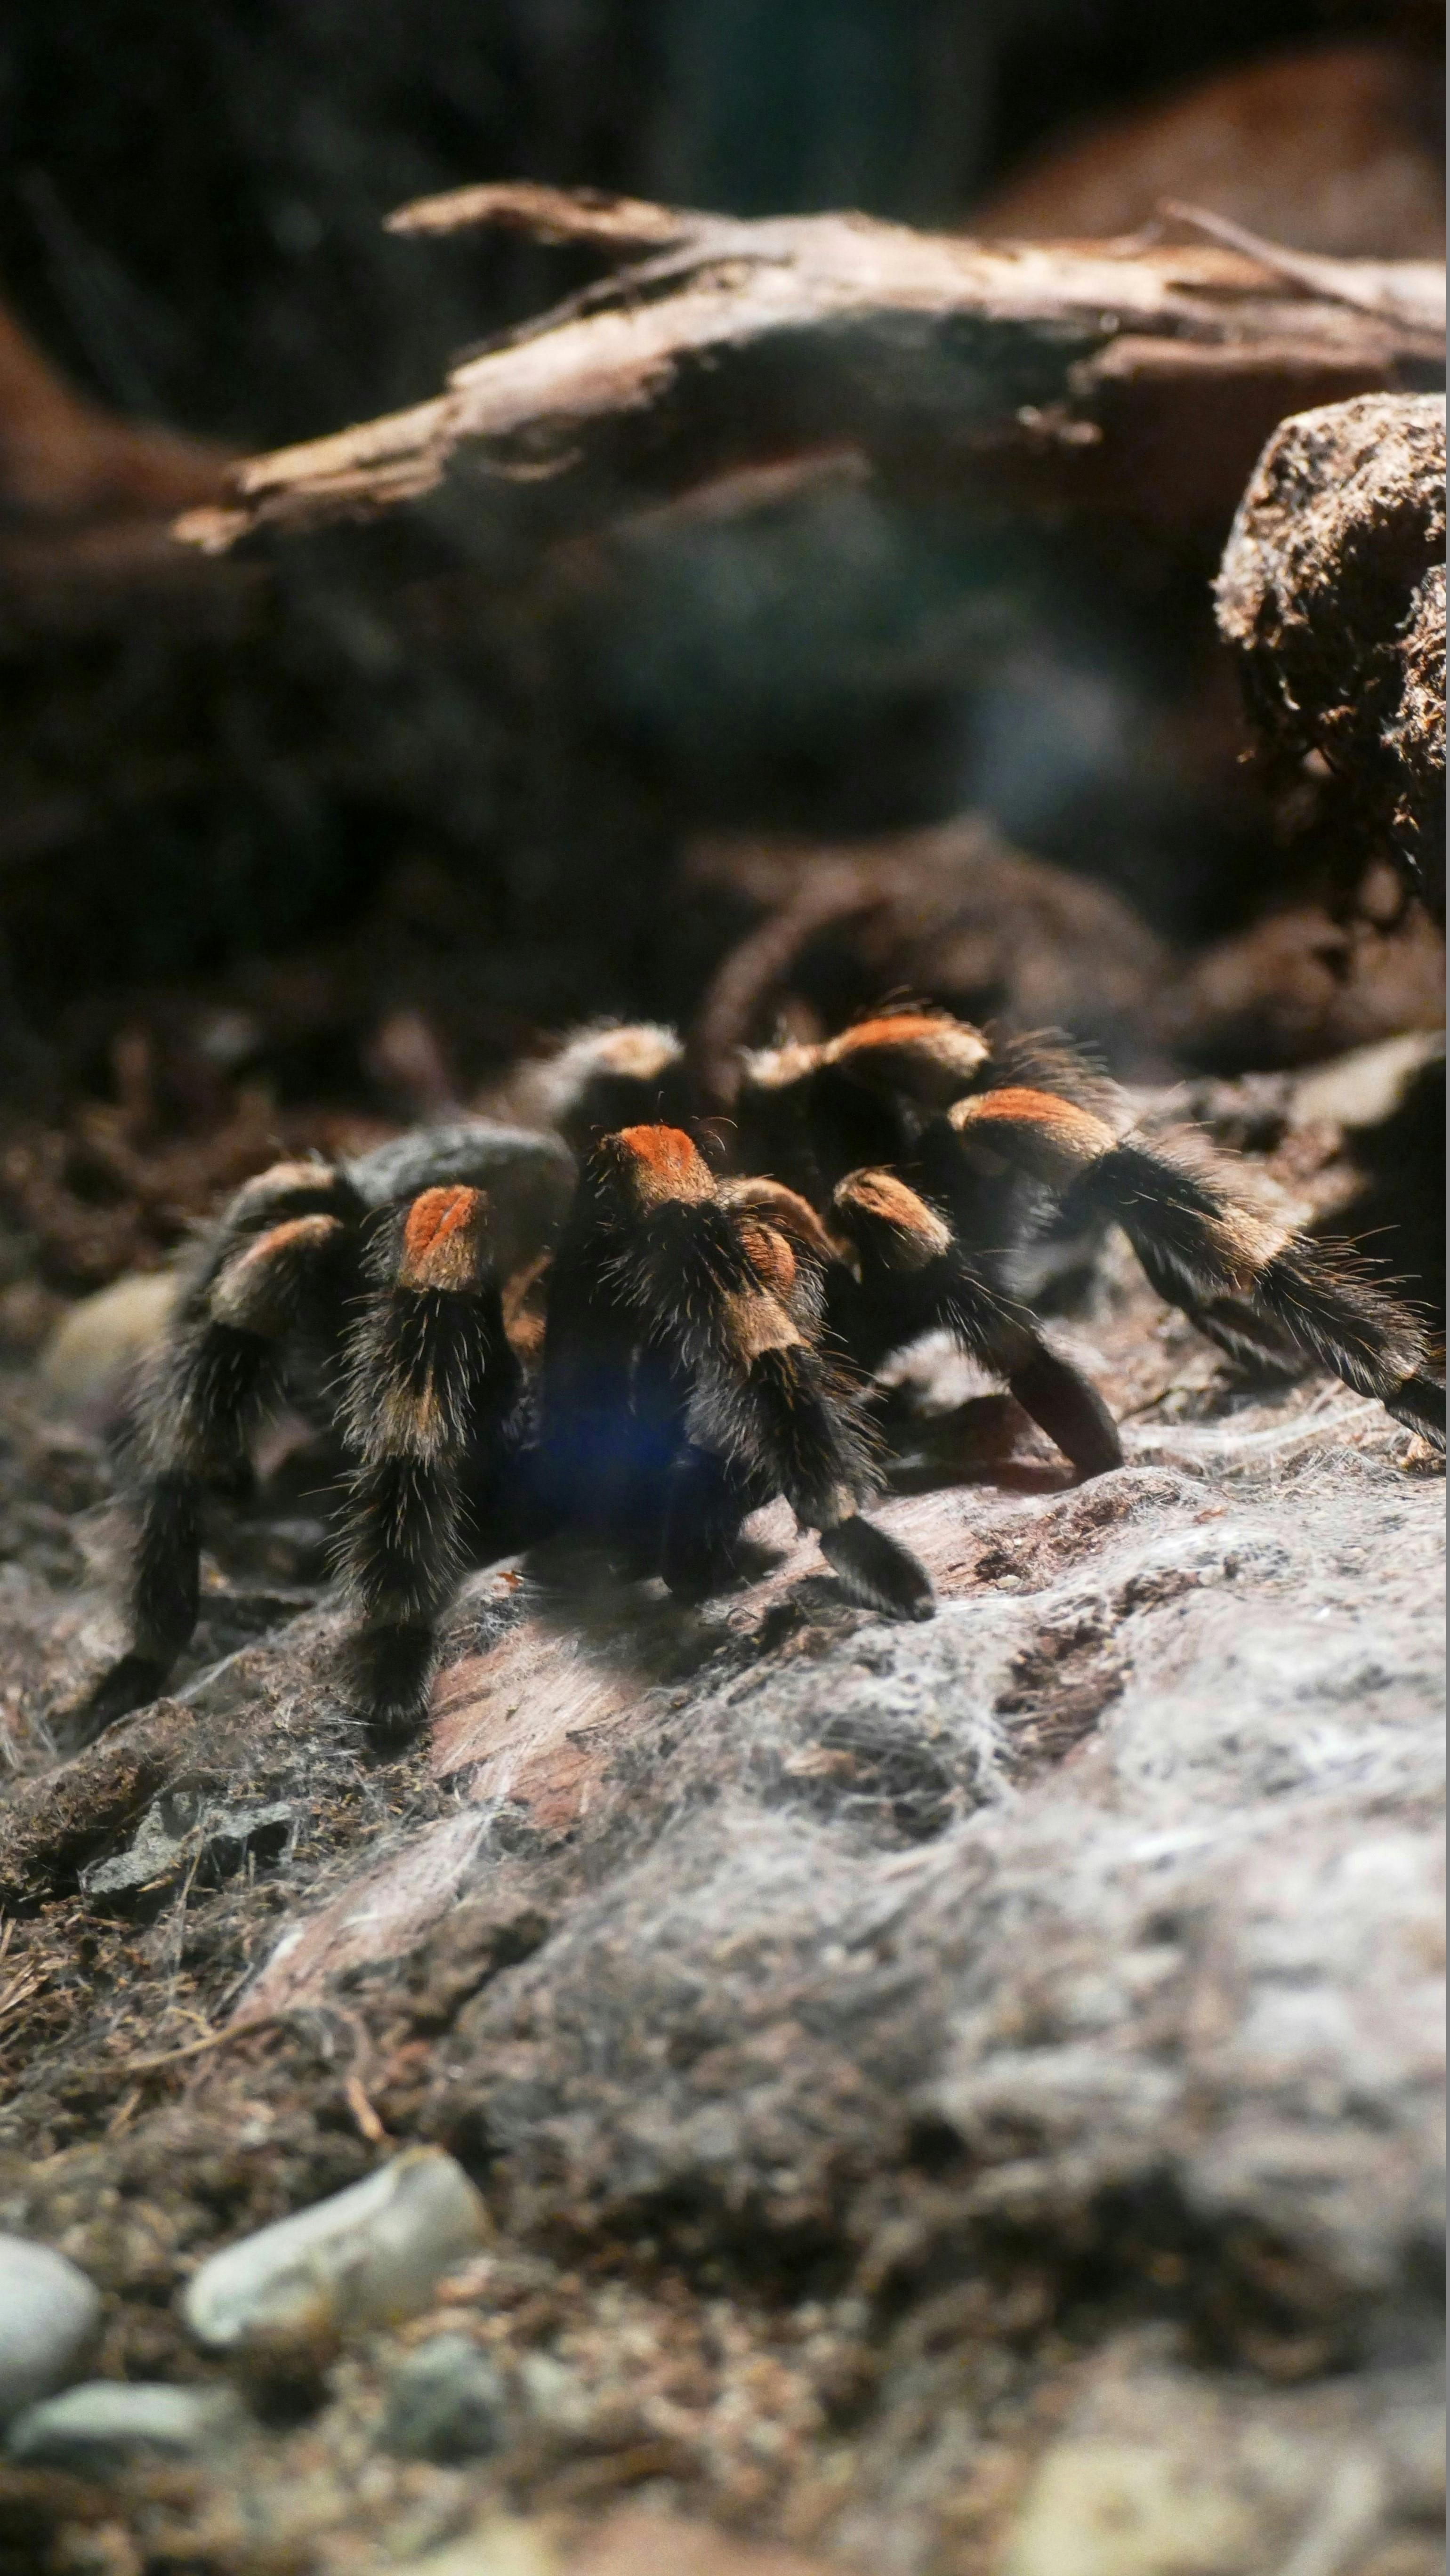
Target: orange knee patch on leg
(784,1211)
(925,1054)
(769,1256)
(311,1186)
(876,1207)
(1050,1138)
(756,1322)
(893,1028)
(663,1164)
(910,1028)
(256,1291)
(441,1239)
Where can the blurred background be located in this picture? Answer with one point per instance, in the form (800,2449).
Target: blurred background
(306,842)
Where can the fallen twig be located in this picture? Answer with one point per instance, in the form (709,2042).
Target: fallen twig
(369,2126)
(214,2039)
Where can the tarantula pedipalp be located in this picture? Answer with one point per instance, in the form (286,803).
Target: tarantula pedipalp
(650,1353)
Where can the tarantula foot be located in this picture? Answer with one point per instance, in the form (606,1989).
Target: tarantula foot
(1070,1410)
(389,1670)
(1420,1403)
(709,1500)
(131,1683)
(691,1570)
(877,1572)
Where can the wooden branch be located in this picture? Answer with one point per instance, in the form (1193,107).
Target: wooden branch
(585,214)
(1121,375)
(1411,291)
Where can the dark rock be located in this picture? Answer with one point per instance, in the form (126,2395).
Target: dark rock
(1332,593)
(52,1825)
(1142,2007)
(953,912)
(185,1832)
(447,2401)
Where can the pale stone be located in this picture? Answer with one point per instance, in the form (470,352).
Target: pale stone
(100,1342)
(96,2429)
(369,2256)
(1120,2509)
(49,2316)
(499,2547)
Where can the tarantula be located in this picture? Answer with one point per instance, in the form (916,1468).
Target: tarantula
(643,1345)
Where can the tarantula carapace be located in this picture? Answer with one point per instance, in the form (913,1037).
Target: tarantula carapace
(646,1344)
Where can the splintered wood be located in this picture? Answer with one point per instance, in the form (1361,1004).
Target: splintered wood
(1139,377)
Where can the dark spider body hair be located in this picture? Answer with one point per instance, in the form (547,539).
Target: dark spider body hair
(644,1350)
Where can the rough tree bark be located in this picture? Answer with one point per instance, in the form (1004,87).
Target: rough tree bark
(1116,376)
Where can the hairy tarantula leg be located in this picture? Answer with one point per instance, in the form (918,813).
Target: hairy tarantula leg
(1068,1407)
(928,1057)
(810,1438)
(1332,1309)
(1200,1242)
(1252,1340)
(709,1498)
(432,1380)
(876,1571)
(613,1383)
(711,1279)
(221,1369)
(913,1278)
(786,1406)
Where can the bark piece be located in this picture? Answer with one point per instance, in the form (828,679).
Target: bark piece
(1411,291)
(739,341)
(1332,594)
